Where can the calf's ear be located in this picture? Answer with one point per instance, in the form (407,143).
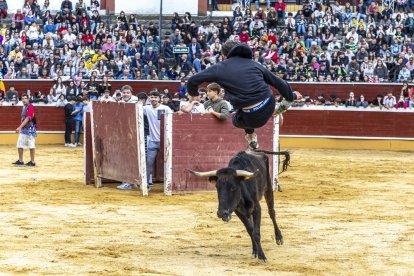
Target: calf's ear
(212,180)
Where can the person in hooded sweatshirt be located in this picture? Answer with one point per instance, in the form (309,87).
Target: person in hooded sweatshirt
(246,83)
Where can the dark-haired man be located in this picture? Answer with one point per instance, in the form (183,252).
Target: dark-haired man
(153,113)
(247,88)
(27,132)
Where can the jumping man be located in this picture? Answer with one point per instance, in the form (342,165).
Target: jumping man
(27,132)
(246,83)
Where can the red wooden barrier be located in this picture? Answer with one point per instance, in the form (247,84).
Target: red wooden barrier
(116,140)
(349,123)
(200,142)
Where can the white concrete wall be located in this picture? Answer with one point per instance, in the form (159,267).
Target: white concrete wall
(128,6)
(18,4)
(153,6)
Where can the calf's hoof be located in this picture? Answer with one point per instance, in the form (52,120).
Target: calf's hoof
(279,241)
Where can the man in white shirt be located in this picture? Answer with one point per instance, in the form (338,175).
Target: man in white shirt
(332,44)
(153,113)
(389,101)
(69,37)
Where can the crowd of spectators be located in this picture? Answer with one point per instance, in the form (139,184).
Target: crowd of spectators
(83,53)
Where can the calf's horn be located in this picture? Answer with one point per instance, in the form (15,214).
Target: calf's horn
(203,174)
(246,173)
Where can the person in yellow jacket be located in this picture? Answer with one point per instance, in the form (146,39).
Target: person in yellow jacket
(89,63)
(98,56)
(89,52)
(16,53)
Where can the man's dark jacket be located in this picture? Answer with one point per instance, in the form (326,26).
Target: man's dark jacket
(245,82)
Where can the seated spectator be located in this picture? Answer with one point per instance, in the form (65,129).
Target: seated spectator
(125,75)
(30,18)
(151,44)
(23,74)
(18,19)
(281,9)
(401,103)
(33,69)
(11,93)
(215,105)
(14,101)
(59,87)
(3,8)
(389,101)
(80,8)
(362,102)
(66,7)
(351,101)
(53,98)
(38,97)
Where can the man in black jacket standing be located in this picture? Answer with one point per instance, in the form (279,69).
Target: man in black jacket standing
(247,88)
(69,121)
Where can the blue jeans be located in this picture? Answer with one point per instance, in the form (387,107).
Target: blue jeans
(363,16)
(152,151)
(78,130)
(258,4)
(301,29)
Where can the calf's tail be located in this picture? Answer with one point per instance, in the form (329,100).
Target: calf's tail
(286,154)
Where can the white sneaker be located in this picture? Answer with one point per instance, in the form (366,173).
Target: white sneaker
(253,143)
(79,144)
(66,145)
(71,145)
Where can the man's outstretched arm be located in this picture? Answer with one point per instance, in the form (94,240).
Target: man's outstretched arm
(208,75)
(281,85)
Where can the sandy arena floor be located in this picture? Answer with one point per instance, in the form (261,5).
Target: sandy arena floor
(341,213)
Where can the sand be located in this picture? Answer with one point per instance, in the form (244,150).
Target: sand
(341,213)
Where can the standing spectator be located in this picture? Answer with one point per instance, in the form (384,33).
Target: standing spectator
(27,132)
(77,114)
(69,109)
(192,106)
(3,8)
(215,105)
(153,113)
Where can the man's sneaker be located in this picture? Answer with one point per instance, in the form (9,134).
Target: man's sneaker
(18,162)
(71,146)
(127,186)
(253,144)
(30,164)
(282,107)
(66,145)
(79,144)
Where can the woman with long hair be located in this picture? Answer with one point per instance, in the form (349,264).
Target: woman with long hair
(104,85)
(59,87)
